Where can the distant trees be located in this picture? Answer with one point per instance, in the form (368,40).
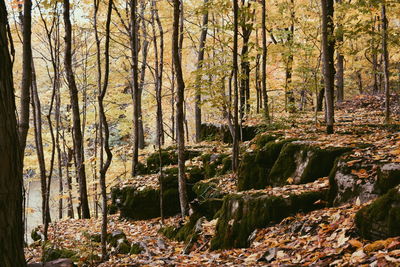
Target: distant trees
(11,225)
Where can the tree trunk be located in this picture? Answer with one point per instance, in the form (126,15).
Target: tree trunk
(26,76)
(179,110)
(144,48)
(340,61)
(328,50)
(264,62)
(77,133)
(235,137)
(385,62)
(135,84)
(200,58)
(11,225)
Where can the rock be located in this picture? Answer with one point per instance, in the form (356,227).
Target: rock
(241,214)
(169,156)
(220,132)
(207,208)
(37,234)
(303,163)
(380,219)
(255,166)
(207,189)
(388,177)
(114,237)
(346,187)
(136,248)
(51,253)
(216,164)
(55,263)
(123,247)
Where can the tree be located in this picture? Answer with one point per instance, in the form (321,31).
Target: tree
(200,58)
(235,136)
(11,226)
(385,61)
(77,133)
(328,51)
(179,109)
(26,75)
(340,61)
(264,62)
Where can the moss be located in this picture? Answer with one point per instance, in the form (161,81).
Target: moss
(388,177)
(240,215)
(262,139)
(112,238)
(123,248)
(142,169)
(205,190)
(226,166)
(50,253)
(36,234)
(255,166)
(210,207)
(380,219)
(135,249)
(304,163)
(169,231)
(153,161)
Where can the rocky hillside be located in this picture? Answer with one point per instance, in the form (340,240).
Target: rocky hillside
(300,197)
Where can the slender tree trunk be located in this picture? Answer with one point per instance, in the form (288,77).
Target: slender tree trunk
(375,88)
(340,61)
(73,91)
(200,58)
(144,48)
(11,184)
(289,95)
(264,62)
(26,75)
(235,137)
(135,84)
(385,62)
(158,69)
(328,50)
(360,82)
(179,110)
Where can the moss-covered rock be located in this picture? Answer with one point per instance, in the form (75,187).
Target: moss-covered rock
(381,219)
(145,204)
(36,234)
(51,252)
(207,189)
(346,187)
(216,164)
(209,207)
(241,214)
(169,156)
(136,248)
(220,132)
(255,166)
(184,232)
(303,163)
(388,177)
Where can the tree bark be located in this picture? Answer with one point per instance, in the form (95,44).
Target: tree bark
(235,137)
(264,62)
(328,50)
(340,62)
(385,62)
(200,58)
(26,75)
(135,84)
(144,48)
(11,225)
(179,110)
(77,132)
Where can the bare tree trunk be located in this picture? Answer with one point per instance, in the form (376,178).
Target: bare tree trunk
(340,61)
(158,69)
(385,62)
(135,84)
(264,62)
(26,76)
(200,58)
(328,50)
(375,68)
(289,95)
(360,82)
(235,137)
(11,225)
(78,141)
(179,110)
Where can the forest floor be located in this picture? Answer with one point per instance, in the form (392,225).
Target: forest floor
(325,237)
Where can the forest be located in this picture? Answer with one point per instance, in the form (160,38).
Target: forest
(199,133)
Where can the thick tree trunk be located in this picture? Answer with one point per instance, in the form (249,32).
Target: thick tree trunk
(179,110)
(328,50)
(11,225)
(385,62)
(200,58)
(73,91)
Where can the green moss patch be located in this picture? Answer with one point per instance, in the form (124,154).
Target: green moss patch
(380,219)
(241,214)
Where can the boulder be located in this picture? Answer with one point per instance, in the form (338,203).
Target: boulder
(220,132)
(380,219)
(169,156)
(52,252)
(256,165)
(303,163)
(216,164)
(388,177)
(241,214)
(54,263)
